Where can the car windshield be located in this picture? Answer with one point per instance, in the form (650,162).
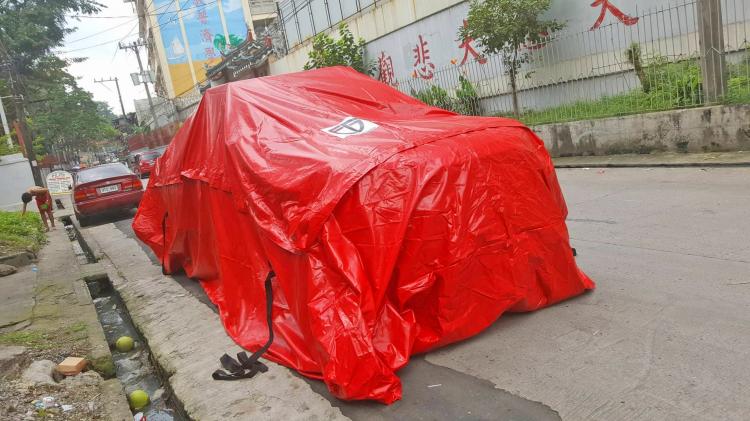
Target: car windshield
(150,156)
(101,172)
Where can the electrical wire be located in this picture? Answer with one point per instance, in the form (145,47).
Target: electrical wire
(173,19)
(100,32)
(97,45)
(146,14)
(132,19)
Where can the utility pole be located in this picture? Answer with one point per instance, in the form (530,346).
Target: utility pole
(119,95)
(5,122)
(25,135)
(22,131)
(713,62)
(134,46)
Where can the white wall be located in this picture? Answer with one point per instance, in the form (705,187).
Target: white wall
(384,17)
(15,178)
(582,63)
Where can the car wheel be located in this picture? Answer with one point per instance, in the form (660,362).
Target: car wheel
(83,220)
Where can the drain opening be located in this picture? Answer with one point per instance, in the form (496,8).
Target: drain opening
(83,251)
(135,369)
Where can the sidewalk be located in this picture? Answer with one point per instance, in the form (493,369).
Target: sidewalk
(712,159)
(48,314)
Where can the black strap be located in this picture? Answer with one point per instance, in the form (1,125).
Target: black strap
(164,242)
(249,366)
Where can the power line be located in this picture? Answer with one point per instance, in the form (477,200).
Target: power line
(97,45)
(132,18)
(173,19)
(100,32)
(146,14)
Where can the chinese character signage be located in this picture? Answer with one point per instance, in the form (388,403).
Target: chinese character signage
(607,6)
(416,52)
(195,33)
(423,66)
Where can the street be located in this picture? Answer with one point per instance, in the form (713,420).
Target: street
(356,210)
(664,336)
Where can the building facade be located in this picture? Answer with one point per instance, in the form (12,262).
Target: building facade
(185,37)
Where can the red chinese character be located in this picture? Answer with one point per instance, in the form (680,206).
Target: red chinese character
(206,35)
(469,49)
(198,3)
(210,52)
(606,5)
(202,17)
(423,67)
(385,66)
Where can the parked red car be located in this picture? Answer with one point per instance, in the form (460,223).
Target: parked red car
(144,163)
(105,188)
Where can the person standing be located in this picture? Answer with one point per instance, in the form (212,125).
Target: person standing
(43,202)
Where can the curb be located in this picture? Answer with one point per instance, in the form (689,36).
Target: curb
(657,165)
(186,340)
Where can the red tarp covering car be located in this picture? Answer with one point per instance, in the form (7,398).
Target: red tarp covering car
(393,227)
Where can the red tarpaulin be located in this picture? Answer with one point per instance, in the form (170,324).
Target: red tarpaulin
(393,227)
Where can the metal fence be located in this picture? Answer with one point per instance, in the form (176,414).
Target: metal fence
(652,61)
(302,19)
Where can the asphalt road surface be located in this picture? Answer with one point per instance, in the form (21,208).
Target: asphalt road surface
(666,334)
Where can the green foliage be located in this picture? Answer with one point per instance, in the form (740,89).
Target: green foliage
(436,96)
(465,101)
(679,83)
(32,28)
(672,85)
(18,233)
(738,85)
(62,114)
(504,27)
(738,90)
(28,338)
(5,149)
(70,118)
(105,111)
(345,51)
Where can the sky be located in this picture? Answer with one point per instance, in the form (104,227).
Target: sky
(106,60)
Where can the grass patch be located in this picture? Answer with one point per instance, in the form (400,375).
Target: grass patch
(103,365)
(29,338)
(77,327)
(668,86)
(19,233)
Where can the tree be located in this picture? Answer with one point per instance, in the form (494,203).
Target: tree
(504,27)
(30,29)
(60,112)
(71,121)
(345,51)
(633,54)
(105,111)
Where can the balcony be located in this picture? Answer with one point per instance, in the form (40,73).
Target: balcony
(262,9)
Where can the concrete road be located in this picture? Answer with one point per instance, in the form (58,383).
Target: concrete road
(666,334)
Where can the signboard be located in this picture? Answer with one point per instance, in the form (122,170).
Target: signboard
(195,33)
(58,182)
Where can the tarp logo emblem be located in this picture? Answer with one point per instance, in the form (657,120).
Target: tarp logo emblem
(350,126)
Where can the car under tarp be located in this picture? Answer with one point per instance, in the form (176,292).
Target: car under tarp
(391,227)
